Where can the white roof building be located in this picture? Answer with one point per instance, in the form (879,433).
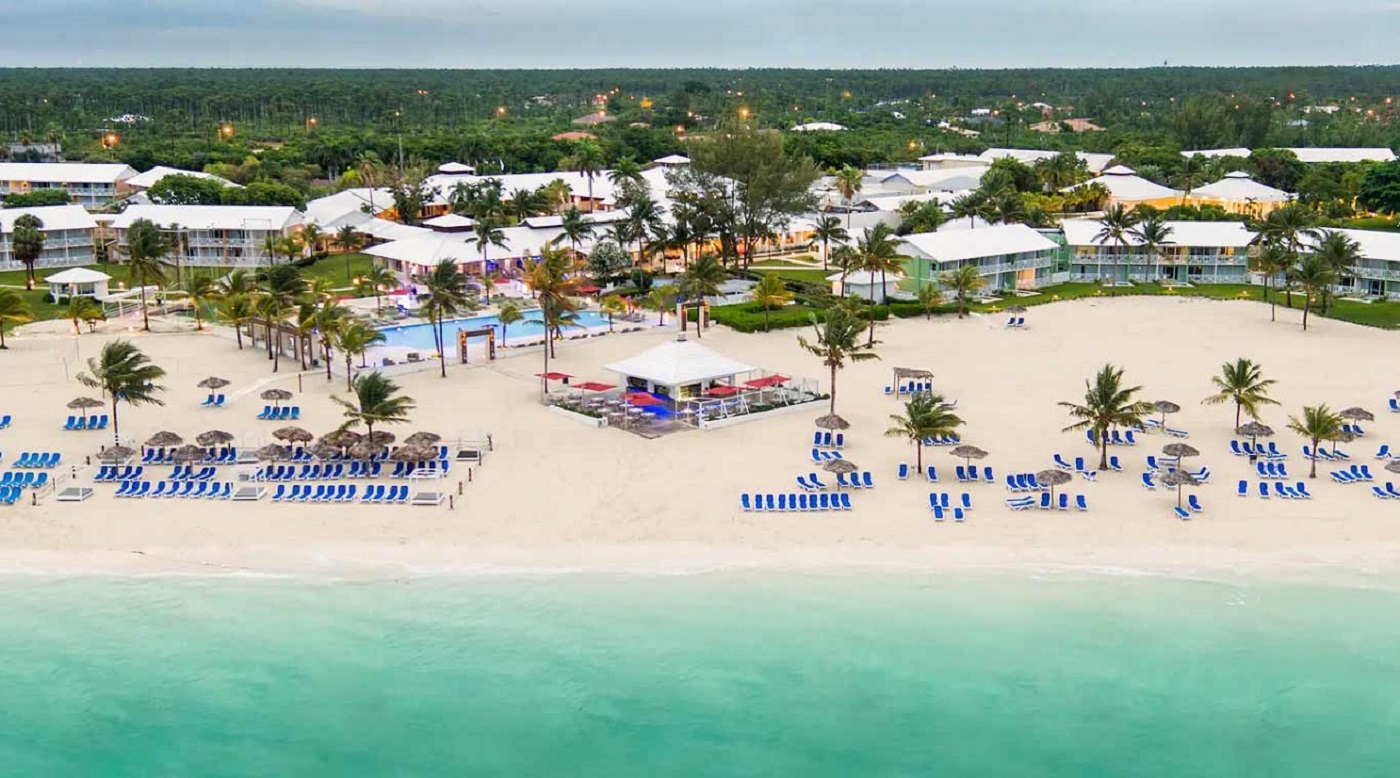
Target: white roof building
(54,218)
(1316,155)
(77,275)
(1213,153)
(1126,186)
(1238,192)
(672,160)
(678,363)
(1094,161)
(327,211)
(65,172)
(425,251)
(277,218)
(1084,232)
(449,222)
(962,245)
(153,176)
(819,127)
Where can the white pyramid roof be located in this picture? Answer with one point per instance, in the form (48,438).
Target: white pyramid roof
(679,362)
(1238,186)
(77,275)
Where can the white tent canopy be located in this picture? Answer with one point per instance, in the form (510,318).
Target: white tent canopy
(678,363)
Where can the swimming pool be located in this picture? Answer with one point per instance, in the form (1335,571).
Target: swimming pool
(420,336)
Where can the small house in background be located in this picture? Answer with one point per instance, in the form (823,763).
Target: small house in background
(864,284)
(78,282)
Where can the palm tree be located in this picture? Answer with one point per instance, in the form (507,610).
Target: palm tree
(1288,226)
(971,206)
(82,309)
(575,228)
(146,251)
(660,299)
(329,318)
(446,296)
(1341,254)
(124,373)
(557,192)
(848,181)
(1116,225)
(612,305)
(354,336)
(588,161)
(1193,172)
(1107,403)
(201,290)
(1272,261)
(1242,382)
(376,280)
(349,242)
(1152,233)
(508,314)
(1314,276)
(964,282)
(554,291)
(828,230)
(770,292)
(1318,423)
(27,244)
(377,401)
(13,308)
(929,298)
(925,416)
(702,279)
(282,287)
(626,171)
(878,254)
(836,340)
(236,309)
(311,234)
(485,234)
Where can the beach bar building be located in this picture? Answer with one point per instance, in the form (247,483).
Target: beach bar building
(1007,256)
(77,282)
(679,369)
(1205,252)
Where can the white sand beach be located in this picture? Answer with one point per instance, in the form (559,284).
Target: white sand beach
(555,494)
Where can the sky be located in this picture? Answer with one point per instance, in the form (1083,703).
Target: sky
(691,33)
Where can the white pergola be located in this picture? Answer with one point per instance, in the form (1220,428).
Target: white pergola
(679,369)
(78,282)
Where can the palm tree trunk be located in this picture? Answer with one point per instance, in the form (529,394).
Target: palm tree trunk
(1307,306)
(145,315)
(238,333)
(1313,472)
(116,428)
(833,388)
(349,387)
(1103,448)
(269,337)
(1237,414)
(919,455)
(326,351)
(2,334)
(442,347)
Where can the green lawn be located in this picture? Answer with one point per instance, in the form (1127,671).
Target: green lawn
(341,269)
(817,276)
(14,279)
(1374,223)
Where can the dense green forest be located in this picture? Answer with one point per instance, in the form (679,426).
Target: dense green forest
(305,128)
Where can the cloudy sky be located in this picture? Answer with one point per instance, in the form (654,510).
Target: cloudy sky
(680,33)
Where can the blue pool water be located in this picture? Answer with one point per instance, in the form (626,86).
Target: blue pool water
(421,335)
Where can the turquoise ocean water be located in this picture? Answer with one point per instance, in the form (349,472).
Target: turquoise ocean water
(722,675)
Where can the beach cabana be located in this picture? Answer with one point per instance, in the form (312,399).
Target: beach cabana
(77,282)
(678,369)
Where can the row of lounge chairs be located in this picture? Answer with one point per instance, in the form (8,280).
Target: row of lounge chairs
(1274,470)
(1025,482)
(968,475)
(840,501)
(188,473)
(213,401)
(940,504)
(1114,438)
(822,456)
(1016,322)
(208,490)
(1243,448)
(1299,492)
(285,413)
(913,387)
(39,461)
(1157,462)
(166,456)
(29,480)
(824,440)
(1353,474)
(943,440)
(321,492)
(79,423)
(1388,493)
(1192,503)
(111,473)
(9,495)
(1335,455)
(1394,408)
(1046,502)
(1079,466)
(1149,480)
(334,472)
(377,493)
(1354,429)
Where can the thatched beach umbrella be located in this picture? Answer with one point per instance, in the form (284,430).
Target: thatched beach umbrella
(213,382)
(213,438)
(276,395)
(840,466)
(1393,465)
(968,453)
(190,454)
(380,438)
(1165,407)
(1357,414)
(164,440)
(901,374)
(416,453)
(1016,309)
(340,438)
(1053,478)
(833,422)
(83,403)
(1255,430)
(1179,478)
(1180,450)
(272,452)
(116,453)
(324,450)
(293,435)
(364,450)
(422,439)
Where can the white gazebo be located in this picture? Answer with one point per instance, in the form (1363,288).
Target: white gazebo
(864,284)
(78,282)
(678,369)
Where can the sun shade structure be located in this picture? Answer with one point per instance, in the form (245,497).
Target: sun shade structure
(1053,478)
(380,438)
(1393,465)
(554,376)
(164,439)
(272,452)
(418,453)
(213,382)
(840,466)
(341,438)
(723,391)
(190,454)
(116,453)
(641,399)
(422,439)
(363,450)
(1255,429)
(968,453)
(213,438)
(678,369)
(593,386)
(1179,478)
(1165,407)
(85,402)
(1180,450)
(833,422)
(294,435)
(276,395)
(767,381)
(1357,414)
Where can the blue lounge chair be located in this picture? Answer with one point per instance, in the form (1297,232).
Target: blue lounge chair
(1394,408)
(823,502)
(802,482)
(1080,502)
(959,515)
(842,483)
(768,503)
(803,503)
(1020,503)
(931,474)
(1194,503)
(1061,463)
(903,473)
(1128,438)
(826,440)
(70,423)
(1379,492)
(5,420)
(1032,484)
(266,412)
(1152,463)
(1063,502)
(1116,438)
(840,441)
(219,401)
(814,481)
(966,500)
(1147,482)
(1302,490)
(1177,433)
(844,501)
(208,401)
(1273,452)
(1243,490)
(889,390)
(1045,502)
(937,512)
(866,480)
(1114,465)
(1089,436)
(1181,513)
(987,475)
(782,502)
(961,473)
(296,412)
(1384,453)
(817,438)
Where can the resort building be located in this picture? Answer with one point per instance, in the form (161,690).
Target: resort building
(1310,155)
(1128,189)
(1007,256)
(143,181)
(1095,162)
(209,235)
(952,161)
(416,256)
(68,236)
(90,186)
(1238,193)
(1205,252)
(1378,272)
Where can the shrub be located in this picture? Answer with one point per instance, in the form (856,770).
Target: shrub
(748,317)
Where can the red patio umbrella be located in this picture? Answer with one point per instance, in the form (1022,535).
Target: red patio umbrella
(553,376)
(723,391)
(767,381)
(641,399)
(593,386)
